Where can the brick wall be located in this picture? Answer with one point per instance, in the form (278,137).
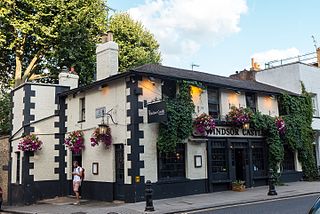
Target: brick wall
(4,154)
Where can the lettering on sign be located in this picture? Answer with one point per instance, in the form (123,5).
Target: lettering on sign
(157,112)
(220,131)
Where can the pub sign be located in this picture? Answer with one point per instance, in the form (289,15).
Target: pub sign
(157,112)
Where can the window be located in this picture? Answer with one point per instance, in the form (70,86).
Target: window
(219,160)
(315,105)
(251,101)
(82,109)
(258,159)
(18,167)
(288,160)
(213,103)
(172,165)
(169,89)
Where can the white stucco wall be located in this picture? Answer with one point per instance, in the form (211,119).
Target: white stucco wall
(112,96)
(230,98)
(200,100)
(17,110)
(267,105)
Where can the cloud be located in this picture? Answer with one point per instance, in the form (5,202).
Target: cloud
(182,27)
(275,54)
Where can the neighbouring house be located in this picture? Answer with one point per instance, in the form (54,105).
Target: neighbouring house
(121,101)
(4,166)
(288,74)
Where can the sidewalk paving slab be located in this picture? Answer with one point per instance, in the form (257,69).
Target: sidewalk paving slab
(173,205)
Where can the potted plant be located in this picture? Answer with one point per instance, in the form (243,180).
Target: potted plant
(238,117)
(238,186)
(75,141)
(204,124)
(104,137)
(30,143)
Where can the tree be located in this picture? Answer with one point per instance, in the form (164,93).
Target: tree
(4,113)
(137,45)
(38,34)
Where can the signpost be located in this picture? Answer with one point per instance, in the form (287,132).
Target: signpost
(157,112)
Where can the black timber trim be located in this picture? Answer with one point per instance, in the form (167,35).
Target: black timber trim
(61,158)
(27,179)
(10,151)
(135,191)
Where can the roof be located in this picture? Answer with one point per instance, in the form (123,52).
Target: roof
(210,79)
(165,72)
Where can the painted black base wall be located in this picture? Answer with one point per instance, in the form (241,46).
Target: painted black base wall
(172,189)
(101,191)
(291,176)
(16,194)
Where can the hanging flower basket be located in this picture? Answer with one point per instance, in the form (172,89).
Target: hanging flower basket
(281,125)
(30,143)
(204,124)
(98,137)
(238,117)
(75,141)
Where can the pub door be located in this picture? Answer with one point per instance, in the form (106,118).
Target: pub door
(241,161)
(119,168)
(240,164)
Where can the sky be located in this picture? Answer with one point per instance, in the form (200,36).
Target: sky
(221,36)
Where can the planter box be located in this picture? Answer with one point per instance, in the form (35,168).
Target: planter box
(238,188)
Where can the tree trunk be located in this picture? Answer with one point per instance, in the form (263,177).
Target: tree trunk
(18,72)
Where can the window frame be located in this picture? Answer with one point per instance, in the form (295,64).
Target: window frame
(217,102)
(82,109)
(170,164)
(314,102)
(255,97)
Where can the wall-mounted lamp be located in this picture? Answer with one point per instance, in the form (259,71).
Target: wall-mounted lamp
(273,97)
(103,128)
(238,92)
(246,126)
(152,80)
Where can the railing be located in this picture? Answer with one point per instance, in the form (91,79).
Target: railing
(306,58)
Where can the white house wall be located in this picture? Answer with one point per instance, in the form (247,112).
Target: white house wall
(267,105)
(229,98)
(112,96)
(17,110)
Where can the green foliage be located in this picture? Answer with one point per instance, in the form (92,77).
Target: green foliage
(5,113)
(299,134)
(137,45)
(35,34)
(180,124)
(266,124)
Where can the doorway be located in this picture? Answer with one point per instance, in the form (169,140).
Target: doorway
(240,164)
(119,167)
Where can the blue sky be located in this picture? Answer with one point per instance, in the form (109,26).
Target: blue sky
(222,35)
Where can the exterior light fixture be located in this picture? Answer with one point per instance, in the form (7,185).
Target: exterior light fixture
(273,97)
(246,126)
(152,80)
(103,128)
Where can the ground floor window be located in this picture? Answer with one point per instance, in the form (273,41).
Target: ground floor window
(258,160)
(288,160)
(18,167)
(172,165)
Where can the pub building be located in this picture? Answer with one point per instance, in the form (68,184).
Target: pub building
(130,103)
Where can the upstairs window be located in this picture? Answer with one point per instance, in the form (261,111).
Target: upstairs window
(169,89)
(82,109)
(315,105)
(251,101)
(213,103)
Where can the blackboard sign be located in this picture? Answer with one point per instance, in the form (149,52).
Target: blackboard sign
(157,112)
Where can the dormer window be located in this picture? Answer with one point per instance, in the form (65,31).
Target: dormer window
(251,101)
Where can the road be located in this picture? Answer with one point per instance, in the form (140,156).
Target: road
(299,205)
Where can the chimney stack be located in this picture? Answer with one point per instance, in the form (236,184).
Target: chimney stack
(107,57)
(68,78)
(318,56)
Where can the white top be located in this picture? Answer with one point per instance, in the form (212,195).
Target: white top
(77,177)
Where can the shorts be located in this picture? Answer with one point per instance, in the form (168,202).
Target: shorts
(76,185)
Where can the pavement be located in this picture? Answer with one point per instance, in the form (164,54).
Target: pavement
(64,205)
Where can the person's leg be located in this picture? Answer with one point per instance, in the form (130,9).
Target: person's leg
(76,191)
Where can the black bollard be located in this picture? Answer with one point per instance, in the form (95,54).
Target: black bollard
(148,196)
(272,181)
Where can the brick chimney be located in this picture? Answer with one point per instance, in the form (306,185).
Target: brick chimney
(107,57)
(318,56)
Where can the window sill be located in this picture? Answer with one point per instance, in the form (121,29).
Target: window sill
(172,180)
(81,121)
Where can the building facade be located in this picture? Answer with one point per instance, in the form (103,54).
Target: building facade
(4,164)
(119,172)
(290,77)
